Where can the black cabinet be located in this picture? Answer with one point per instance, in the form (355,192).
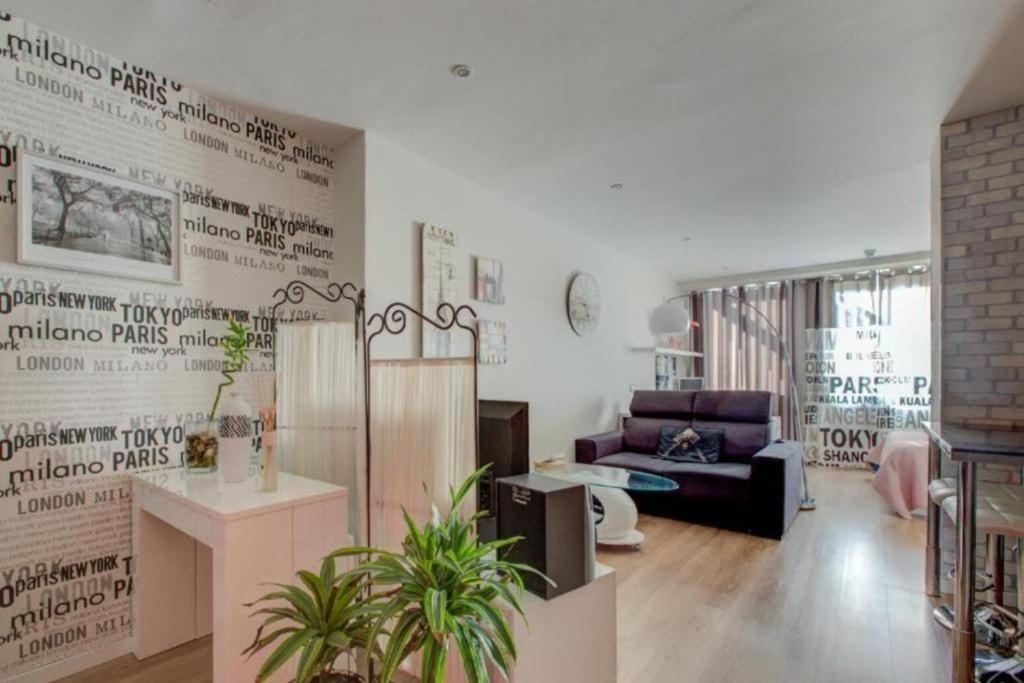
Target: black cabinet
(505,445)
(550,515)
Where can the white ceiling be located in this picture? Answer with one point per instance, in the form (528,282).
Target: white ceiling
(774,134)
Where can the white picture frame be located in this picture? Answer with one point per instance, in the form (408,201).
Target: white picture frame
(438,285)
(492,342)
(76,218)
(490,280)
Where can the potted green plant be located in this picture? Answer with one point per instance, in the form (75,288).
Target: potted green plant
(325,616)
(201,445)
(236,354)
(444,587)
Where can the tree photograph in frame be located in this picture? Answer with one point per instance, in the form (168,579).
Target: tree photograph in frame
(77,218)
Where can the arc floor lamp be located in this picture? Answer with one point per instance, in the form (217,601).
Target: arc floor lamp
(671,318)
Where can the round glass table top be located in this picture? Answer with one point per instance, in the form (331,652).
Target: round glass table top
(611,477)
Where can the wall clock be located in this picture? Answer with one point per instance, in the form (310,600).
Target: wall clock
(583,304)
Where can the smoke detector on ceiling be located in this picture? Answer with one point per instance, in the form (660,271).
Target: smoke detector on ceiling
(870,253)
(462,71)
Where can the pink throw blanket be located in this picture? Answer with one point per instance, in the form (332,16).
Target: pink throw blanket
(902,477)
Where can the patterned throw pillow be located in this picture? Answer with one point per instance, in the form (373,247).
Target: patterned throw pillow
(690,444)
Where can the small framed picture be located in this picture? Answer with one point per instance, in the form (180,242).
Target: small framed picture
(493,342)
(77,218)
(490,280)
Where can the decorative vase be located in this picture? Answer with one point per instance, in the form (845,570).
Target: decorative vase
(234,429)
(201,447)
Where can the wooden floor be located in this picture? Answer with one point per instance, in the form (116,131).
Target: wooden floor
(840,599)
(190,663)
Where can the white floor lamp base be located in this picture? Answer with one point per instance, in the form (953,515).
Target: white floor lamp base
(620,516)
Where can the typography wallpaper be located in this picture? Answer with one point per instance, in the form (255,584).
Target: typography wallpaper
(98,374)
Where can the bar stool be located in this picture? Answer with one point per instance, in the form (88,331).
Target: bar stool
(938,491)
(999,513)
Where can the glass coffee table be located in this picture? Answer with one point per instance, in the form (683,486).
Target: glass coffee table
(608,485)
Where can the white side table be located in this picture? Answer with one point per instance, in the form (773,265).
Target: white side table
(568,638)
(203,548)
(608,485)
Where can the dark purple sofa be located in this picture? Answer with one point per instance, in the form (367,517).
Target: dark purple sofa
(754,486)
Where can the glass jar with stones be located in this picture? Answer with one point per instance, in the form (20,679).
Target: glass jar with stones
(200,456)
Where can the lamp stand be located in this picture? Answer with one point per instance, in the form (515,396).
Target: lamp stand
(806,501)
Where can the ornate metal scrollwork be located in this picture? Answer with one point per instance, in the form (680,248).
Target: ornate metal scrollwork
(295,292)
(395,318)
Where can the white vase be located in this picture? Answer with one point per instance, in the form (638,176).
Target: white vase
(234,430)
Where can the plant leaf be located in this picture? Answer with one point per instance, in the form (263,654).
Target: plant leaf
(316,588)
(434,609)
(283,653)
(309,662)
(494,651)
(469,653)
(398,644)
(435,655)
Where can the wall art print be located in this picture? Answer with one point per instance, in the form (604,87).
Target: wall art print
(490,280)
(493,342)
(77,218)
(438,286)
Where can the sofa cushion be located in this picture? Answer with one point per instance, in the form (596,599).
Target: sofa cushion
(671,404)
(642,433)
(690,444)
(719,481)
(742,439)
(636,461)
(733,406)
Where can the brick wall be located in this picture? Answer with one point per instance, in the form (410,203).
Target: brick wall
(983,284)
(983,273)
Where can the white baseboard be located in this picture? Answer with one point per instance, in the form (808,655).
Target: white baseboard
(75,663)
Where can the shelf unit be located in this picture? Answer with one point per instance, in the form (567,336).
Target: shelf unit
(671,365)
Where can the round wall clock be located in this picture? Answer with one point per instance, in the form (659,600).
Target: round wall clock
(584,304)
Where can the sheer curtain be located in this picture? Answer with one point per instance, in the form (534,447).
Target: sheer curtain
(740,352)
(423,434)
(320,408)
(879,298)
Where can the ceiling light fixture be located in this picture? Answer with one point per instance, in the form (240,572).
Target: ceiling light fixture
(617,186)
(462,71)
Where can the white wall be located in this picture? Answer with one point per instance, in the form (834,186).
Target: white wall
(350,211)
(575,386)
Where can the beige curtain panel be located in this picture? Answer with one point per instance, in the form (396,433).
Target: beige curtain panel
(740,351)
(321,424)
(423,435)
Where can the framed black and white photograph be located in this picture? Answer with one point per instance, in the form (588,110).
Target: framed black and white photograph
(77,218)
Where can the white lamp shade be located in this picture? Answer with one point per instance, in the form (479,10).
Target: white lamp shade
(669,318)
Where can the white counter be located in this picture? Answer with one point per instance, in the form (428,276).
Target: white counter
(203,548)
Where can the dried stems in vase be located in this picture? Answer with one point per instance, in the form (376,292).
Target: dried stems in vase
(268,456)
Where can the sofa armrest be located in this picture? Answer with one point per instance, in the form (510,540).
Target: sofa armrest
(590,448)
(777,481)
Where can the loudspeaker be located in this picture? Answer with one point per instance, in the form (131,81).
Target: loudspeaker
(504,428)
(550,515)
